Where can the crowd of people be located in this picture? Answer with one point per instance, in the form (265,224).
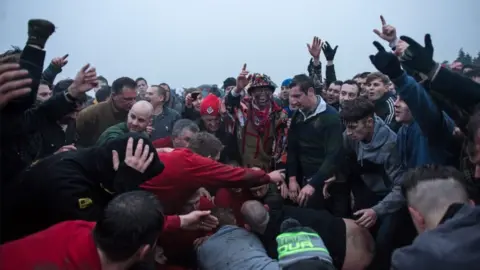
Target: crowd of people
(378,171)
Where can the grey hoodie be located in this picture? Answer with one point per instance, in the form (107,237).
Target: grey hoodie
(382,152)
(454,244)
(233,248)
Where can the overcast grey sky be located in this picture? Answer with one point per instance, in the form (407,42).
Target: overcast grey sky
(188,43)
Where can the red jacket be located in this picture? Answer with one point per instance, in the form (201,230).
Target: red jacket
(67,245)
(185,172)
(226,198)
(178,246)
(163,143)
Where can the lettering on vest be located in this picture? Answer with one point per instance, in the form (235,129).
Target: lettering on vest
(296,246)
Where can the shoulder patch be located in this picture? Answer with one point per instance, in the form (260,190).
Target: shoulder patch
(84,203)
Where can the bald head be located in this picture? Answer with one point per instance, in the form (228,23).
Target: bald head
(255,215)
(143,107)
(140,116)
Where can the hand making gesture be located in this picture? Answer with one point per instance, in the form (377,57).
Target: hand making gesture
(60,61)
(388,33)
(85,80)
(242,79)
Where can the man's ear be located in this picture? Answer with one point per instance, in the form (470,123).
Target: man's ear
(472,203)
(143,251)
(247,227)
(417,218)
(370,122)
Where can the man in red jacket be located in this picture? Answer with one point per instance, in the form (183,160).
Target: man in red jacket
(182,132)
(187,170)
(130,227)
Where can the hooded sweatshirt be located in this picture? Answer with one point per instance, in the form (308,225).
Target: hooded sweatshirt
(232,248)
(425,140)
(454,244)
(71,185)
(379,166)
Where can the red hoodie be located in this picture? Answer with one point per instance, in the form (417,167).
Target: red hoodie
(67,245)
(226,198)
(163,143)
(185,172)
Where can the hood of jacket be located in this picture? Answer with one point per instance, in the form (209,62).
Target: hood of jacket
(454,244)
(97,163)
(382,135)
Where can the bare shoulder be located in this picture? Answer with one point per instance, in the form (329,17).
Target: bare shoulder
(360,246)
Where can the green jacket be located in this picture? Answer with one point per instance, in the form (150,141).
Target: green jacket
(112,132)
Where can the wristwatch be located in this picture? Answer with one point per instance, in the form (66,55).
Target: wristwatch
(69,97)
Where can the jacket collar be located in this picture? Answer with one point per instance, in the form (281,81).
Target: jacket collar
(321,107)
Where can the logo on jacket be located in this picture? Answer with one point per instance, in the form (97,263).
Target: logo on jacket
(84,203)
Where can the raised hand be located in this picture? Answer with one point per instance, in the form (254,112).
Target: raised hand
(138,160)
(85,80)
(328,51)
(14,83)
(388,33)
(188,100)
(242,79)
(386,62)
(60,61)
(315,48)
(418,57)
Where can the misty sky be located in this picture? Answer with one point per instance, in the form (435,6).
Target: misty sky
(188,43)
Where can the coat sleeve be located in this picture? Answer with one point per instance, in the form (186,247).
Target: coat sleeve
(395,171)
(171,224)
(233,101)
(330,75)
(428,116)
(292,148)
(50,73)
(212,174)
(315,73)
(86,122)
(333,152)
(108,135)
(461,90)
(33,119)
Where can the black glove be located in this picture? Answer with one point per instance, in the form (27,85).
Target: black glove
(417,57)
(386,62)
(328,51)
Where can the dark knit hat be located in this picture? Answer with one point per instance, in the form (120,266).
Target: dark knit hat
(301,248)
(229,82)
